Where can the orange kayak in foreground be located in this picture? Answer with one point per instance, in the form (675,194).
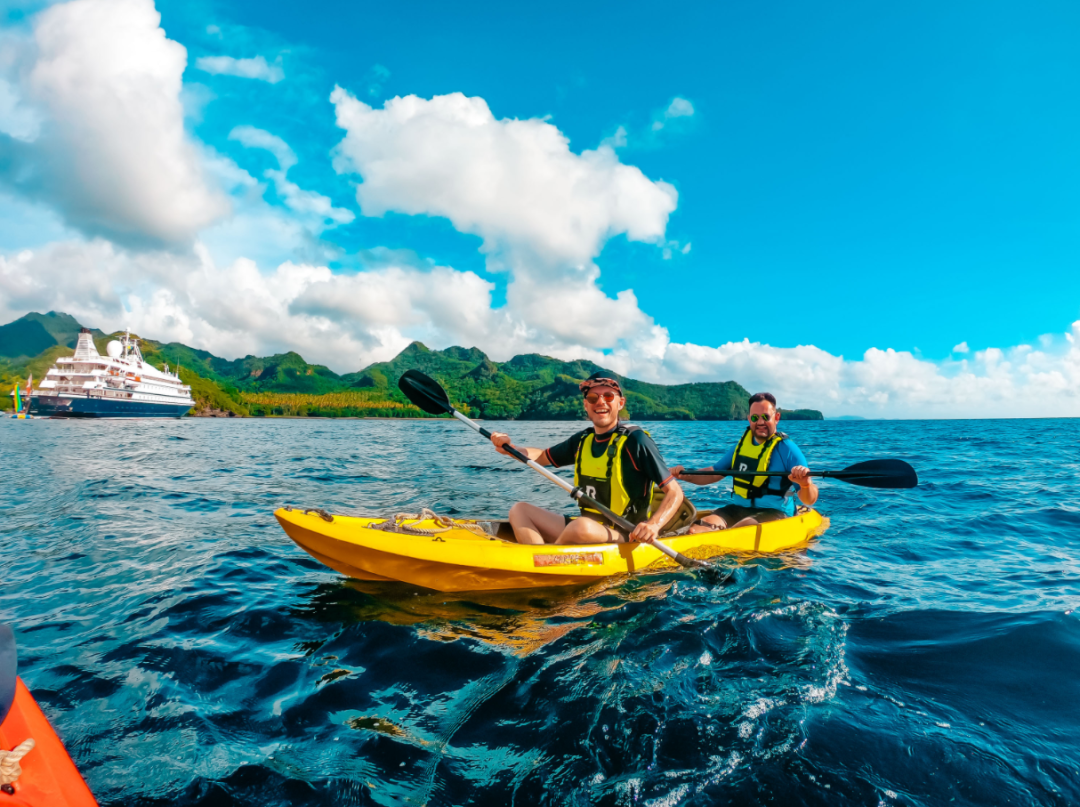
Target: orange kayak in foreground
(467,555)
(49,777)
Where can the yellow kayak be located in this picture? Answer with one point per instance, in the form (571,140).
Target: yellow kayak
(466,555)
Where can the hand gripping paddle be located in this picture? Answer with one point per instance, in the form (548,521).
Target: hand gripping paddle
(428,395)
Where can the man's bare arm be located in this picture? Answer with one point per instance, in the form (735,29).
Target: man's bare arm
(678,470)
(808,491)
(537,454)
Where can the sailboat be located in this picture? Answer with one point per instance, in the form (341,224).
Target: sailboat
(22,407)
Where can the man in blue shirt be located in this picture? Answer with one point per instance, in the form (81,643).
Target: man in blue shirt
(757,499)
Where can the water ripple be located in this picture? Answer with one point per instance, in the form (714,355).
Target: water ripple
(189,654)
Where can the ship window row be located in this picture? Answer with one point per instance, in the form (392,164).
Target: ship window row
(78,390)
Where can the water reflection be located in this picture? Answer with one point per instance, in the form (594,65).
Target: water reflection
(517,622)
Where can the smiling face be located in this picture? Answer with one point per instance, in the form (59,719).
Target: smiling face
(604,413)
(763,418)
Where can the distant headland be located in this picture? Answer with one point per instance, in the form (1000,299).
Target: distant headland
(527,387)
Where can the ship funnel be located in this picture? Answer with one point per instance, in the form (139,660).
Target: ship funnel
(85,350)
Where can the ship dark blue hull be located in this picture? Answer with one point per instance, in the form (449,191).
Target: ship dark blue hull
(62,407)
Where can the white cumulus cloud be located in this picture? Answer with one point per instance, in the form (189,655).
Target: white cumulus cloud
(255,68)
(348,320)
(108,147)
(543,211)
(1020,381)
(515,183)
(345,320)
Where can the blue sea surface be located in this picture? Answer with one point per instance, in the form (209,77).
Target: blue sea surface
(924,651)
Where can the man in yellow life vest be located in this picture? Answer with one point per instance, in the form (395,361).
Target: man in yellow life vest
(757,499)
(616,464)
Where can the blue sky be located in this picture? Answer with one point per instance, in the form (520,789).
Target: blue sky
(843,178)
(912,161)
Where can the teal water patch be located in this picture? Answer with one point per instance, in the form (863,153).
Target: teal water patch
(920,652)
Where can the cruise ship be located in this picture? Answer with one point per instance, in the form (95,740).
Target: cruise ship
(120,384)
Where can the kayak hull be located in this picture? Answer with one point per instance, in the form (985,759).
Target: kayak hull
(460,560)
(49,777)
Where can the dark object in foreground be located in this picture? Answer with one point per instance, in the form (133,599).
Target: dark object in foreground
(36,768)
(885,474)
(8,670)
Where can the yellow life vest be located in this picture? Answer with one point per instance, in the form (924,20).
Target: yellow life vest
(749,457)
(602,479)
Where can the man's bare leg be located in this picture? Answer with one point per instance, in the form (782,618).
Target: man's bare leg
(714,523)
(535,525)
(718,523)
(586,531)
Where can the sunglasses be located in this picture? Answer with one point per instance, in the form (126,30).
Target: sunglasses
(593,397)
(756,418)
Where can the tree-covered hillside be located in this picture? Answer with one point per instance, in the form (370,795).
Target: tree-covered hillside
(29,336)
(535,387)
(527,387)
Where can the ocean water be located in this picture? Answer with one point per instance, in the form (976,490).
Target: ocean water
(924,651)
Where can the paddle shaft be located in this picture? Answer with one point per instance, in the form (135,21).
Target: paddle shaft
(822,474)
(884,474)
(579,494)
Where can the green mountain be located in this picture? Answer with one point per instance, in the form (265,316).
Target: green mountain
(34,333)
(285,372)
(527,387)
(535,387)
(31,345)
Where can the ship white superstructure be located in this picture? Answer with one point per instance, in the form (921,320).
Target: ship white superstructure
(119,384)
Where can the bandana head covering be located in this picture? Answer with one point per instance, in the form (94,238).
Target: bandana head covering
(599,379)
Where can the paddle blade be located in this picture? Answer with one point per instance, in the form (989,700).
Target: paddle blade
(424,392)
(885,474)
(8,670)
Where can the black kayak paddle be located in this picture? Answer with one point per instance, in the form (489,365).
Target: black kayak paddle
(427,394)
(885,474)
